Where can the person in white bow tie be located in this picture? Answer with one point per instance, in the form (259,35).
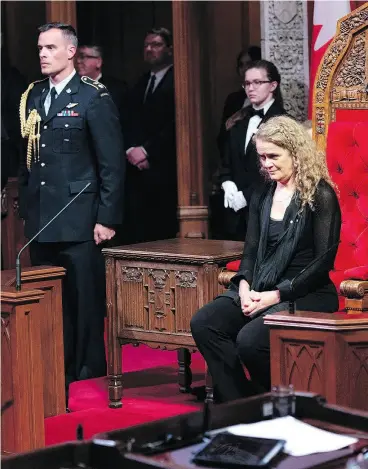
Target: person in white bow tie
(239,173)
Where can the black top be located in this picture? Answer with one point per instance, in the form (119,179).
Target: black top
(274,231)
(318,235)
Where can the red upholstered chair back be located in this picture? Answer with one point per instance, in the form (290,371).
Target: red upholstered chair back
(347,160)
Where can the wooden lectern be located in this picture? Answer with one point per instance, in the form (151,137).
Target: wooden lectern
(49,280)
(22,422)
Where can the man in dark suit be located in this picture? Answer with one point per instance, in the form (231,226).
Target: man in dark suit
(240,172)
(80,143)
(151,200)
(89,62)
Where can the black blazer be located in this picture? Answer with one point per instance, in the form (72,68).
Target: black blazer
(152,125)
(233,103)
(313,254)
(242,168)
(81,142)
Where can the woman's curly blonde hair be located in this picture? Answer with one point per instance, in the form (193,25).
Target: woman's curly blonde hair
(309,163)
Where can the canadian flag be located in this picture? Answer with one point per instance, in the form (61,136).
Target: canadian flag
(325,17)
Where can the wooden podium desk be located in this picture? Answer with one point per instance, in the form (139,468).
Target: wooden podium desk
(22,419)
(323,353)
(153,289)
(50,324)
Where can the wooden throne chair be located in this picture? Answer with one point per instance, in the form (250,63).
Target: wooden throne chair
(320,352)
(340,128)
(328,353)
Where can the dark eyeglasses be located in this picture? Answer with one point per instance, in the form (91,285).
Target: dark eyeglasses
(255,83)
(85,56)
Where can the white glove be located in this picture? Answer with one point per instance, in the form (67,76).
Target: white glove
(230,189)
(239,201)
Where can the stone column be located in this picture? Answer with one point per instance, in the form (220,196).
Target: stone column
(189,95)
(61,11)
(284,40)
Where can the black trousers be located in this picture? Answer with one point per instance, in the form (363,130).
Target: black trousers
(227,339)
(83,304)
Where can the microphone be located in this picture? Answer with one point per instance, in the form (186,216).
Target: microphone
(311,264)
(18,270)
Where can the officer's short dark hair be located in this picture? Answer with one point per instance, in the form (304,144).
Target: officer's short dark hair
(164,33)
(68,31)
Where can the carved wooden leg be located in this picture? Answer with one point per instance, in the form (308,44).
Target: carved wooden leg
(115,391)
(185,373)
(209,387)
(115,376)
(114,361)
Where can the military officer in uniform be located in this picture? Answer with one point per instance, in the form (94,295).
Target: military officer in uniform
(74,138)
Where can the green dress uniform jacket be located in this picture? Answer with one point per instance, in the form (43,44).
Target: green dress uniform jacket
(80,142)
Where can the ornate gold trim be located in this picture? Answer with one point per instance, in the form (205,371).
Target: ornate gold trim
(354,288)
(30,127)
(225,277)
(323,112)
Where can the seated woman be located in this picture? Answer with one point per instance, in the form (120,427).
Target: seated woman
(294,224)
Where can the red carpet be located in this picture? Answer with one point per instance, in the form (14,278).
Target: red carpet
(151,392)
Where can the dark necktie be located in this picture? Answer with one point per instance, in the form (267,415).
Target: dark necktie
(256,112)
(150,87)
(53,95)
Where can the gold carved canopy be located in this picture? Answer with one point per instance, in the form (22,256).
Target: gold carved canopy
(342,78)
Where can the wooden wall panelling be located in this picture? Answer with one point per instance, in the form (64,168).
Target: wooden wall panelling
(192,203)
(61,11)
(230,27)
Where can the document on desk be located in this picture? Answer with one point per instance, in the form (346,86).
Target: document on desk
(301,438)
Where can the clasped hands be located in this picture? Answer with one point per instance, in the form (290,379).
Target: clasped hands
(252,301)
(102,233)
(232,197)
(138,157)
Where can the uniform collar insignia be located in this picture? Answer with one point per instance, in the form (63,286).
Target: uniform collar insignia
(70,105)
(43,90)
(68,90)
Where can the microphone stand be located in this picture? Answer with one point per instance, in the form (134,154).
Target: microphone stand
(18,269)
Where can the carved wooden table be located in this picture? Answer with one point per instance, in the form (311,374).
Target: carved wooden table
(153,289)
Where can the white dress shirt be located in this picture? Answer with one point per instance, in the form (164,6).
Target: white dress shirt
(255,121)
(59,88)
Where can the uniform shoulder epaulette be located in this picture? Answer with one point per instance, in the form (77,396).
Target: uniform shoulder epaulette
(96,84)
(30,127)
